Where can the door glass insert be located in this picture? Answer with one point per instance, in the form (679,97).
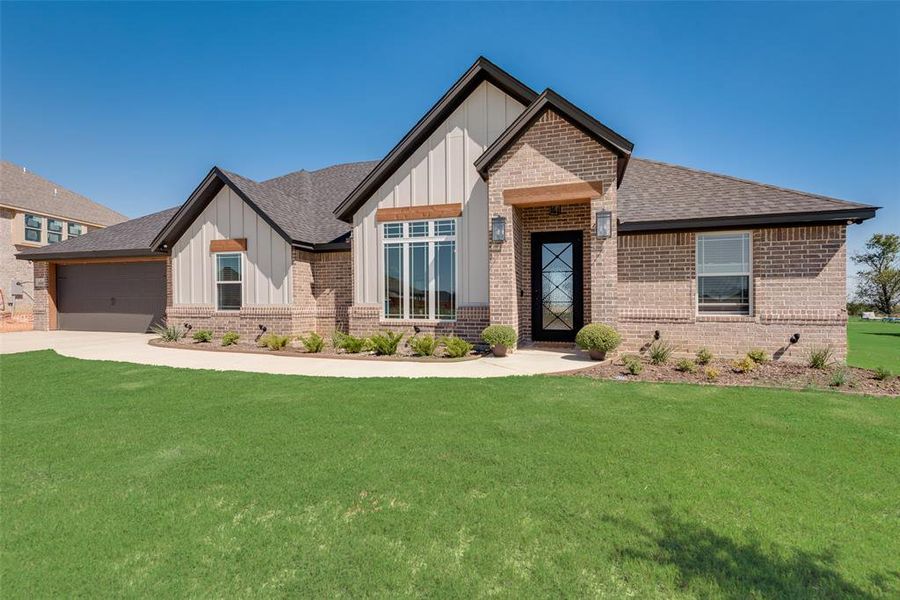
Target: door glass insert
(558,287)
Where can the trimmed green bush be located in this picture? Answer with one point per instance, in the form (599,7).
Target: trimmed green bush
(385,343)
(660,352)
(499,335)
(273,341)
(312,342)
(743,365)
(456,347)
(423,345)
(202,335)
(759,356)
(704,356)
(168,333)
(711,373)
(686,365)
(230,338)
(633,364)
(598,337)
(820,357)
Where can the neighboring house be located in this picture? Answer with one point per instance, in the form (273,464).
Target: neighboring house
(501,205)
(35,212)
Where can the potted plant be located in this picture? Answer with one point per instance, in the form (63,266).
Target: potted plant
(598,339)
(500,338)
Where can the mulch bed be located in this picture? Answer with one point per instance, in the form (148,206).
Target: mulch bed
(403,353)
(771,374)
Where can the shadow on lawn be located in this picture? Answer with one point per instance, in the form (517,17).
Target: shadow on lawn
(739,570)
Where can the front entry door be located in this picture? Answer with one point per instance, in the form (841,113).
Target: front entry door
(556,285)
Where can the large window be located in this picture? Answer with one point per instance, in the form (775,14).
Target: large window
(419,269)
(723,273)
(54,231)
(229,281)
(33,226)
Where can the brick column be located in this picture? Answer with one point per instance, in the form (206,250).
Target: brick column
(604,263)
(502,258)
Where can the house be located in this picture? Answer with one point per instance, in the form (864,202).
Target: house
(35,212)
(501,205)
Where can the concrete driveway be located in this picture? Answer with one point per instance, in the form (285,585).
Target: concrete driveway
(133,348)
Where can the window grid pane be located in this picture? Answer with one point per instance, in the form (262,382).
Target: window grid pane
(75,229)
(393,230)
(229,287)
(445,280)
(419,279)
(393,280)
(447,227)
(418,229)
(54,225)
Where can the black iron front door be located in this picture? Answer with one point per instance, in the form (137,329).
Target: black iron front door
(556,285)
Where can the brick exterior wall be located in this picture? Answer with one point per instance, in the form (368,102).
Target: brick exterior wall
(41,274)
(365,319)
(12,270)
(551,151)
(799,279)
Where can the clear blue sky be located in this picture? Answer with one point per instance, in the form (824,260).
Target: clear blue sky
(131,103)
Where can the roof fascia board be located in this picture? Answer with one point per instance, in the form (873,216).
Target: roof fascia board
(482,70)
(202,195)
(131,253)
(574,115)
(855,214)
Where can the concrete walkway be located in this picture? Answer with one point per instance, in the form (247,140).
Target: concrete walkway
(133,348)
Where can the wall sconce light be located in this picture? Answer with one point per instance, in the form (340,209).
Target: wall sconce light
(498,228)
(188,326)
(604,224)
(795,338)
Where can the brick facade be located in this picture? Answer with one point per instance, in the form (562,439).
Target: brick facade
(799,279)
(551,151)
(12,270)
(365,319)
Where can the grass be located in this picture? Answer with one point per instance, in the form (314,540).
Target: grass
(873,344)
(126,480)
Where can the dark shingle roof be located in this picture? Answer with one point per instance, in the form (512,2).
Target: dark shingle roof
(131,238)
(653,195)
(656,192)
(27,191)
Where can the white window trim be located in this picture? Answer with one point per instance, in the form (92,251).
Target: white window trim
(405,240)
(216,282)
(748,274)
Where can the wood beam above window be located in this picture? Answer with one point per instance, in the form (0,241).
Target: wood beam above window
(235,245)
(553,194)
(415,213)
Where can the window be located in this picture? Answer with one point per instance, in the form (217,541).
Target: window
(74,229)
(419,269)
(33,226)
(723,273)
(229,281)
(54,231)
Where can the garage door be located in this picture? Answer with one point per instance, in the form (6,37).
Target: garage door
(111,296)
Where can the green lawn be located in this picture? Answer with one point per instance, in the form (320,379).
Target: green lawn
(873,344)
(125,480)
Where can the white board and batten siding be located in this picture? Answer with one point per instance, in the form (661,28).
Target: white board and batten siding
(441,171)
(267,264)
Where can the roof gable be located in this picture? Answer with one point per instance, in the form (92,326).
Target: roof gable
(482,70)
(574,115)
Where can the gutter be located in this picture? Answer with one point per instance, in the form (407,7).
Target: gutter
(854,215)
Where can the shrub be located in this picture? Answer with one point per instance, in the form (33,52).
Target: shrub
(882,374)
(743,365)
(385,343)
(230,338)
(423,345)
(456,347)
(704,356)
(633,364)
(273,341)
(686,365)
(840,377)
(711,373)
(820,357)
(312,342)
(759,356)
(348,343)
(598,337)
(202,335)
(660,352)
(168,333)
(499,335)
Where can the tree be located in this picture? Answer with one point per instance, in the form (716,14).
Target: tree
(879,282)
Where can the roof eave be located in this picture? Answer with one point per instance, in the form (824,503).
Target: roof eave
(850,215)
(481,70)
(51,256)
